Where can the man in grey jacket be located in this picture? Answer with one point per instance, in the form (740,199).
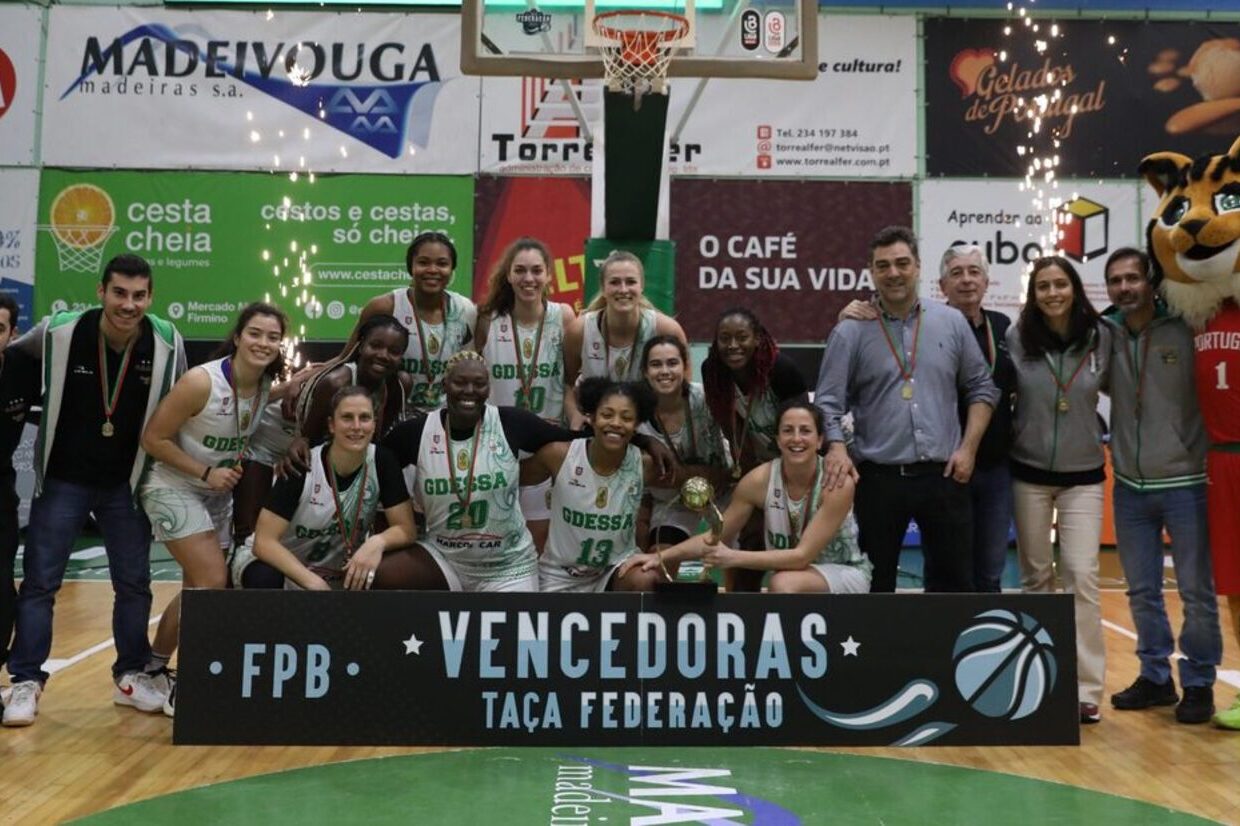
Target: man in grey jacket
(1158,448)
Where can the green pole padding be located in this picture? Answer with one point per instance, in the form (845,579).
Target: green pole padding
(658,259)
(633,164)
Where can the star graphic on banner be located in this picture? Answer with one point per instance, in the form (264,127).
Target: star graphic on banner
(413,645)
(850,646)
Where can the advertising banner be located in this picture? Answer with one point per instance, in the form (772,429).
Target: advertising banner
(496,669)
(556,211)
(20,188)
(21,32)
(795,252)
(320,92)
(1095,219)
(829,127)
(217,241)
(1117,91)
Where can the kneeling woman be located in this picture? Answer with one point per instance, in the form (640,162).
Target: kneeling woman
(596,492)
(811,536)
(313,528)
(466,456)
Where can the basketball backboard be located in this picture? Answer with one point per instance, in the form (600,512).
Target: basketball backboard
(555,38)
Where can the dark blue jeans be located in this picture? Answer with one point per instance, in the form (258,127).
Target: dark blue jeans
(8,553)
(1139,521)
(56,517)
(991,491)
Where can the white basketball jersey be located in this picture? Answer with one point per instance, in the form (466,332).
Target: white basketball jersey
(423,358)
(313,534)
(484,537)
(618,363)
(843,549)
(546,391)
(593,517)
(217,435)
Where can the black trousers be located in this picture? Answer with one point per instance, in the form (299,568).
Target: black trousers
(888,496)
(8,554)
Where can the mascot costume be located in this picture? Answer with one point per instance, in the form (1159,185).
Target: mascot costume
(1194,241)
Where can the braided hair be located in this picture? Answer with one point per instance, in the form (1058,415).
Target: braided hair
(462,356)
(717,378)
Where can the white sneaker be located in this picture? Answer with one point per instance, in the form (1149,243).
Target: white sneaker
(23,703)
(145,692)
(170,705)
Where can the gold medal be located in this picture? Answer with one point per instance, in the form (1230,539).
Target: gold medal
(906,392)
(432,345)
(527,347)
(622,368)
(600,500)
(736,470)
(1063,404)
(245,421)
(107,430)
(462,460)
(466,521)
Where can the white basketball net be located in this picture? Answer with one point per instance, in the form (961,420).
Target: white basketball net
(80,249)
(637,48)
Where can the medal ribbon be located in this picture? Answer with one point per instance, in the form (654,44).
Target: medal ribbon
(992,349)
(348,532)
(111,395)
(261,393)
(906,367)
(738,444)
(804,506)
(473,459)
(658,420)
(426,355)
(1057,373)
(637,337)
(527,383)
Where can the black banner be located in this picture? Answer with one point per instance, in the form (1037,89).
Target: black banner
(625,669)
(290,667)
(1127,88)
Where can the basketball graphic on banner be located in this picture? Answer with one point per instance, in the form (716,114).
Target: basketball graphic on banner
(1004,664)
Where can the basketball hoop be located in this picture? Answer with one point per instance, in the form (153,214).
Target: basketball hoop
(637,48)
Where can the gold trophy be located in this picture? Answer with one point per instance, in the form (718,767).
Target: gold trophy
(698,495)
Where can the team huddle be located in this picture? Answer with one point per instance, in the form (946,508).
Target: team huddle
(518,446)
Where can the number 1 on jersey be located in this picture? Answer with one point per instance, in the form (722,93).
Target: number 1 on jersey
(1221,370)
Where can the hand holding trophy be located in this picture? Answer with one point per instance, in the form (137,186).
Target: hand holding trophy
(698,495)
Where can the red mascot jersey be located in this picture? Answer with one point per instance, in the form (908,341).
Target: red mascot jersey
(1218,374)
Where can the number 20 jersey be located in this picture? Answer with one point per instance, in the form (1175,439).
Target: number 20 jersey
(1218,374)
(488,541)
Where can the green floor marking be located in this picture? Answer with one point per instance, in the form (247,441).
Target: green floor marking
(615,787)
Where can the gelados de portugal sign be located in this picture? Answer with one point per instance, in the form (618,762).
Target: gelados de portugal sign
(625,669)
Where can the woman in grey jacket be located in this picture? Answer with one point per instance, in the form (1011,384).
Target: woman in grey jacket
(1061,350)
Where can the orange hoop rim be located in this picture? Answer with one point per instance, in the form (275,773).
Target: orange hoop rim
(624,37)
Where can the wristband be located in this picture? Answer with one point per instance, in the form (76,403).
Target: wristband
(205,474)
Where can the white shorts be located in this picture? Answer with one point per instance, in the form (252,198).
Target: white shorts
(536,501)
(459,580)
(674,515)
(553,579)
(843,579)
(177,513)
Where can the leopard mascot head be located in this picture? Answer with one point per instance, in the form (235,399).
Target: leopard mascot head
(1194,237)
